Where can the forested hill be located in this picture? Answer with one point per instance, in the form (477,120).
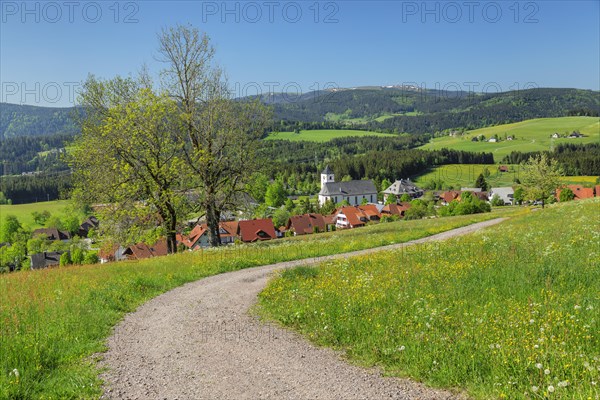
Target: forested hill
(22,120)
(430,111)
(398,109)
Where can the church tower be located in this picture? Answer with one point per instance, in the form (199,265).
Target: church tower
(327,176)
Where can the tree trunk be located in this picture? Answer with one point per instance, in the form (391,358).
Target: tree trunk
(212,221)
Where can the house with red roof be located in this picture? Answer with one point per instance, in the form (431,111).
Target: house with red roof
(449,196)
(396,209)
(140,251)
(597,189)
(350,217)
(256,230)
(198,237)
(579,191)
(306,224)
(371,211)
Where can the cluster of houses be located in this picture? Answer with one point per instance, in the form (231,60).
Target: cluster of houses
(360,197)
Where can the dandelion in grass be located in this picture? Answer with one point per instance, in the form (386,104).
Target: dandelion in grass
(534,389)
(563,384)
(550,389)
(538,365)
(547,371)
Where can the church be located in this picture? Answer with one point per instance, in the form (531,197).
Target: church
(352,191)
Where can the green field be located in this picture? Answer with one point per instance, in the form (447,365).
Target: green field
(531,135)
(52,321)
(464,175)
(323,135)
(23,211)
(509,312)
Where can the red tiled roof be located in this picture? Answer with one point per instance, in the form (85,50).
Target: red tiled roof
(597,190)
(256,229)
(396,209)
(230,227)
(370,210)
(449,196)
(306,223)
(142,250)
(579,191)
(353,214)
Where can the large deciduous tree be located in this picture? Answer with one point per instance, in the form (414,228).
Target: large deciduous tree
(540,177)
(220,133)
(129,157)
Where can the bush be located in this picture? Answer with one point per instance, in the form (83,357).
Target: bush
(91,258)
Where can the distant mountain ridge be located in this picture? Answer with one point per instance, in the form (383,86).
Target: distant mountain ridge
(25,120)
(393,108)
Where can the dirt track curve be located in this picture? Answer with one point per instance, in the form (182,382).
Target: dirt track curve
(199,342)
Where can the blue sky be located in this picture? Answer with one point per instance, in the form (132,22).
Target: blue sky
(48,47)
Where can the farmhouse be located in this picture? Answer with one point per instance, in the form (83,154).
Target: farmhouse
(447,197)
(352,191)
(396,209)
(354,217)
(52,234)
(142,250)
(306,224)
(256,230)
(45,259)
(506,194)
(198,237)
(402,187)
(579,191)
(90,223)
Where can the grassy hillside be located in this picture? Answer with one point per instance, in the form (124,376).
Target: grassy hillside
(323,135)
(52,321)
(23,211)
(531,135)
(464,175)
(511,312)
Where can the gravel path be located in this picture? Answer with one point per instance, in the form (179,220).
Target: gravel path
(199,342)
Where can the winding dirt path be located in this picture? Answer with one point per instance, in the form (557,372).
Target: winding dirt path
(198,342)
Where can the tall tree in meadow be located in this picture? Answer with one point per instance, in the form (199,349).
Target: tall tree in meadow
(128,156)
(540,177)
(220,134)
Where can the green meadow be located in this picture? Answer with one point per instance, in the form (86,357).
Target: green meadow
(510,312)
(52,321)
(464,175)
(23,211)
(531,135)
(323,135)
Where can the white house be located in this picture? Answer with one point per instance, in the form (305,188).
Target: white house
(506,194)
(352,191)
(402,187)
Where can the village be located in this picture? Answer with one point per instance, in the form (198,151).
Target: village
(356,205)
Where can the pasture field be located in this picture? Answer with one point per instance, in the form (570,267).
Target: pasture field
(531,135)
(23,211)
(52,321)
(508,312)
(464,175)
(322,135)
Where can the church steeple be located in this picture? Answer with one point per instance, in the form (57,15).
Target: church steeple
(327,176)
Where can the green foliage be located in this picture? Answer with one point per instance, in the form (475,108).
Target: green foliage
(405,198)
(472,313)
(289,205)
(258,186)
(481,183)
(280,217)
(275,195)
(497,201)
(40,218)
(566,194)
(391,199)
(77,256)
(65,259)
(540,177)
(385,184)
(91,257)
(327,208)
(519,195)
(10,226)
